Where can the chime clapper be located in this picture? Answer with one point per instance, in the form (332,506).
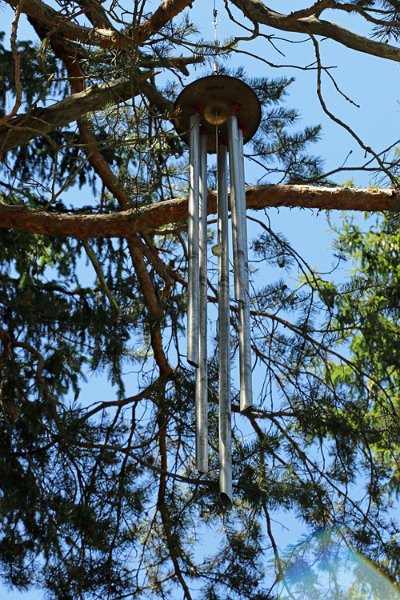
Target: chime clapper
(217,250)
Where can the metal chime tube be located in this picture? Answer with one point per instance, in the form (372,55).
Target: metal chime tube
(225,428)
(239,236)
(233,143)
(242,213)
(246,389)
(201,373)
(193,243)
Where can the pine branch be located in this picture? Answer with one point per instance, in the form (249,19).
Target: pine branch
(96,265)
(258,12)
(167,10)
(24,128)
(129,222)
(55,23)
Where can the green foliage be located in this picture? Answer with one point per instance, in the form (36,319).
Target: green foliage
(276,146)
(39,74)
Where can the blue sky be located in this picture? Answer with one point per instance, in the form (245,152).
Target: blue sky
(370,82)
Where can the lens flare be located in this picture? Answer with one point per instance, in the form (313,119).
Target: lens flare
(324,567)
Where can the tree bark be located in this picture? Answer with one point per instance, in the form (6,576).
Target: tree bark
(128,222)
(167,10)
(103,34)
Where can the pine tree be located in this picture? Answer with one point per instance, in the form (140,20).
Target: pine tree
(102,499)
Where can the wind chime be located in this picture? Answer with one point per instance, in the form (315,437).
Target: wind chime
(218,114)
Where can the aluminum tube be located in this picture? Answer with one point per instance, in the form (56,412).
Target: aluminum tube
(238,208)
(242,214)
(233,143)
(246,391)
(201,373)
(193,244)
(246,387)
(225,427)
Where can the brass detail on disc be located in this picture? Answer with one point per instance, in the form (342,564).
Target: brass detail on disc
(216,112)
(215,98)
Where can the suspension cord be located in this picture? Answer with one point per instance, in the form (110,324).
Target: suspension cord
(214,24)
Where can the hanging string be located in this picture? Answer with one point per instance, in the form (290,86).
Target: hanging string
(214,23)
(215,69)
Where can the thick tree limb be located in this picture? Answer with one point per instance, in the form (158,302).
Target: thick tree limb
(96,13)
(129,222)
(255,10)
(258,12)
(103,34)
(56,23)
(23,128)
(167,10)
